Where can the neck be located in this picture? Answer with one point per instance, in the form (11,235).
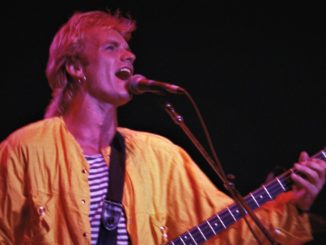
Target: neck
(93,124)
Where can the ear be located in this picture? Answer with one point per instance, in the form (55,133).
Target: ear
(74,68)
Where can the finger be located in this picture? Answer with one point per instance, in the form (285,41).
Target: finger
(321,163)
(308,173)
(318,166)
(303,156)
(302,183)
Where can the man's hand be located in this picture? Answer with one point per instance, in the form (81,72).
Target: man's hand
(308,187)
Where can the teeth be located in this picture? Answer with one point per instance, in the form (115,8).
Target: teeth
(124,73)
(126,70)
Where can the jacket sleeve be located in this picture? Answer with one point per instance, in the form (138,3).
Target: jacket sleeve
(12,194)
(194,199)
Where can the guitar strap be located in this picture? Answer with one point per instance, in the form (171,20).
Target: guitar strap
(112,206)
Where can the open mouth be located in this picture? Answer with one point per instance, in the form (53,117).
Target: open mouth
(124,73)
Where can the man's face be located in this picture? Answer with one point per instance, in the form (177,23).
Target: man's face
(107,54)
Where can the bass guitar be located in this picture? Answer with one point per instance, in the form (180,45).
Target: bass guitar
(230,215)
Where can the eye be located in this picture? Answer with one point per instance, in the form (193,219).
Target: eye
(111,46)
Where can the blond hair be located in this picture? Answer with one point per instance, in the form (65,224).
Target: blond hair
(68,44)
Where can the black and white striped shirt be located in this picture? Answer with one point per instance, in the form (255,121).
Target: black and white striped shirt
(98,183)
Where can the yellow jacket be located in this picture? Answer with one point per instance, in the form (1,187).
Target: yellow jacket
(44,193)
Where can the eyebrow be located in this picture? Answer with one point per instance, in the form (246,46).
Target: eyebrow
(112,41)
(116,43)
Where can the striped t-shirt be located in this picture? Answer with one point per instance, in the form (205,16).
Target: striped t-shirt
(98,184)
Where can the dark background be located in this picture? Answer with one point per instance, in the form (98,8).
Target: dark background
(256,70)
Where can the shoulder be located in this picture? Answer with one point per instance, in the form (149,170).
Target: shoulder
(154,146)
(145,140)
(33,132)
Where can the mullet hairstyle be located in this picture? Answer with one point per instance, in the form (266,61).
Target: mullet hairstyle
(68,45)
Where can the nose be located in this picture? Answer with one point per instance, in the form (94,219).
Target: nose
(129,56)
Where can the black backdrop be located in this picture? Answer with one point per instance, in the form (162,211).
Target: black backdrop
(256,71)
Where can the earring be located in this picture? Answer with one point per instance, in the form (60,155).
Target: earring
(81,80)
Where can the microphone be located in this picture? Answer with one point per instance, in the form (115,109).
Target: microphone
(139,84)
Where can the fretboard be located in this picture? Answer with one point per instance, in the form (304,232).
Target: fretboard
(230,215)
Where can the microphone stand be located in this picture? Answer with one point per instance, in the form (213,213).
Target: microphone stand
(217,167)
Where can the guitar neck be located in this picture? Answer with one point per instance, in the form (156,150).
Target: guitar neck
(230,215)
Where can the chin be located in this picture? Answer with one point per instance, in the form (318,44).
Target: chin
(123,99)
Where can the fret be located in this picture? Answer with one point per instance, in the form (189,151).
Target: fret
(211,227)
(232,215)
(206,230)
(226,217)
(254,200)
(250,202)
(273,188)
(192,238)
(182,241)
(324,154)
(221,221)
(280,184)
(187,238)
(277,186)
(195,235)
(320,155)
(236,212)
(202,233)
(286,180)
(214,221)
(270,197)
(262,196)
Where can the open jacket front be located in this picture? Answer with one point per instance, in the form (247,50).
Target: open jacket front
(44,193)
